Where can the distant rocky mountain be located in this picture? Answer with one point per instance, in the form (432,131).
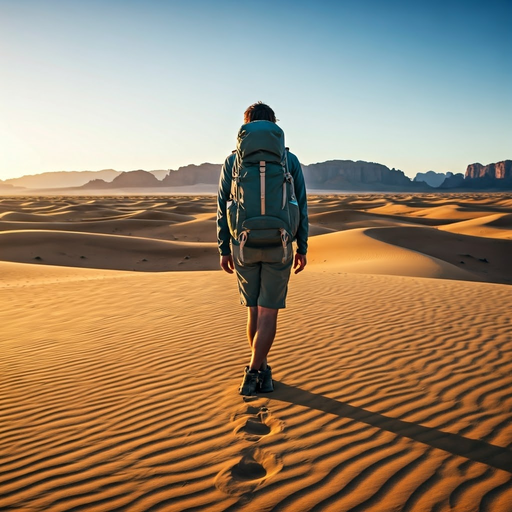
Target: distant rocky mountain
(498,171)
(192,175)
(350,175)
(453,181)
(160,174)
(434,179)
(62,179)
(131,179)
(340,175)
(496,176)
(185,176)
(335,175)
(65,179)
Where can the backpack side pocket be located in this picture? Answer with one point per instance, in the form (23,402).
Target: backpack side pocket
(293,215)
(231,213)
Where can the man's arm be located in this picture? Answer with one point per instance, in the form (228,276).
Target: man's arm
(223,235)
(300,192)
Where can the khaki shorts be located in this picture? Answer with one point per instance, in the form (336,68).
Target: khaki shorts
(263,277)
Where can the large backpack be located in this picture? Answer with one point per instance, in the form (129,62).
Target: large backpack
(264,211)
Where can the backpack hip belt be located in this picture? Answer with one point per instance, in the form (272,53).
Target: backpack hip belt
(242,238)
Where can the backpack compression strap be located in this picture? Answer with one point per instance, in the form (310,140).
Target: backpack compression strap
(262,185)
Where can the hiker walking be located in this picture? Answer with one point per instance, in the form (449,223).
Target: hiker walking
(261,209)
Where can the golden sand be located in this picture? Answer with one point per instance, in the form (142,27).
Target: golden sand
(392,361)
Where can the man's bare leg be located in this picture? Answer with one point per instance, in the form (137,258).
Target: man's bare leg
(264,337)
(252,327)
(252,323)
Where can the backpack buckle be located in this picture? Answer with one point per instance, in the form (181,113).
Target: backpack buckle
(284,241)
(242,238)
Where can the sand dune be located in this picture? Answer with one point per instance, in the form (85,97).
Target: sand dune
(498,225)
(192,219)
(339,220)
(356,251)
(450,212)
(487,259)
(392,363)
(106,251)
(200,229)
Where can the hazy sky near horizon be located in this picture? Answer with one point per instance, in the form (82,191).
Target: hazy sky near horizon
(155,84)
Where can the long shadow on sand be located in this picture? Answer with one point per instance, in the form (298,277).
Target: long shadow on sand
(472,449)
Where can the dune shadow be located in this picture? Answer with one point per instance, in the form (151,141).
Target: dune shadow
(472,449)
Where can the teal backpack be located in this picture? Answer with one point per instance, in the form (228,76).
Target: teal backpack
(263,211)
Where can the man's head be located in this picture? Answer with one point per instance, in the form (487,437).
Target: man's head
(259,112)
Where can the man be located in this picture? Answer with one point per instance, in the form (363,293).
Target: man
(262,277)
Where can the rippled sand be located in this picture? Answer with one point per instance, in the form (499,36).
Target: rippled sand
(392,362)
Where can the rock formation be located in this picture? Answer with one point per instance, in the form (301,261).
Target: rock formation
(497,176)
(61,179)
(131,179)
(185,176)
(192,175)
(434,179)
(339,175)
(498,171)
(453,181)
(350,175)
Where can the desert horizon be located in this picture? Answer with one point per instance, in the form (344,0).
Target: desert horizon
(334,176)
(123,344)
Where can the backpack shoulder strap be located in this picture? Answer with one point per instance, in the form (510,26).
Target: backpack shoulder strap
(235,176)
(288,178)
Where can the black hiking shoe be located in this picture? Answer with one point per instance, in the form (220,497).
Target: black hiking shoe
(249,382)
(265,383)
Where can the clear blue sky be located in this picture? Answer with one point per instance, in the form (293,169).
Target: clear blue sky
(155,84)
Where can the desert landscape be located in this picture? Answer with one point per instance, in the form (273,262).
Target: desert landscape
(123,345)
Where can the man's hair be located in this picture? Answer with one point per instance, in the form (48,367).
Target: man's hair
(259,112)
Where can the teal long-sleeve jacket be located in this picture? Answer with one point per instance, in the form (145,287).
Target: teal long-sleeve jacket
(223,196)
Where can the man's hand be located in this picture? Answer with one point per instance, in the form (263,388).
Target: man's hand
(226,263)
(300,262)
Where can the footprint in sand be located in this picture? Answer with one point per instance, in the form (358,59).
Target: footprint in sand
(253,423)
(249,473)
